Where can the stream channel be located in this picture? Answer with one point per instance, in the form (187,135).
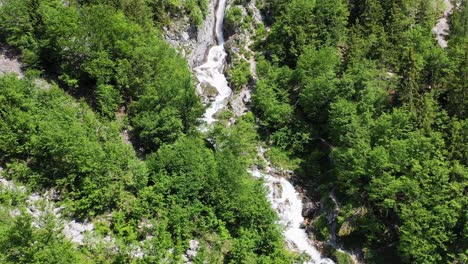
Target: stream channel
(284,198)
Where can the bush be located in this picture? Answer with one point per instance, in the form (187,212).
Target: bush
(233,19)
(240,74)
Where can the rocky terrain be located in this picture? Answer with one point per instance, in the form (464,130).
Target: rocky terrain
(9,62)
(192,41)
(442,28)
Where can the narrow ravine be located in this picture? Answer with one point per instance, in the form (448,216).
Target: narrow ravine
(284,198)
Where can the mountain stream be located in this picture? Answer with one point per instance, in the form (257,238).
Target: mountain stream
(284,198)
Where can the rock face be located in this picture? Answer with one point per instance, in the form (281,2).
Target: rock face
(40,206)
(204,38)
(76,231)
(208,90)
(9,62)
(238,48)
(193,42)
(309,208)
(240,102)
(441,29)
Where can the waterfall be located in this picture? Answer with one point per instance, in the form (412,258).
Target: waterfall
(220,21)
(211,73)
(287,203)
(285,200)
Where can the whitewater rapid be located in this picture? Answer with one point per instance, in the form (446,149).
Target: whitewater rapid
(211,73)
(284,198)
(287,202)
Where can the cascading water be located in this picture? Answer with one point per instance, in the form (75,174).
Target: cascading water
(210,74)
(287,202)
(282,194)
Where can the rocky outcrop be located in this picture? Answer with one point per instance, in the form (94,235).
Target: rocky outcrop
(204,38)
(209,91)
(240,102)
(41,206)
(9,61)
(238,47)
(193,42)
(309,208)
(192,252)
(442,28)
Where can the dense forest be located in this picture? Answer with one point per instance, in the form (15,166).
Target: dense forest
(356,96)
(376,110)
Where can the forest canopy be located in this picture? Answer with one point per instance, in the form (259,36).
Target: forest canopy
(381,107)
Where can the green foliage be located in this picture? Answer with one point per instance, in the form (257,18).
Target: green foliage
(457,92)
(240,74)
(208,192)
(293,31)
(97,51)
(63,144)
(343,258)
(189,190)
(282,158)
(109,55)
(108,100)
(379,105)
(321,229)
(189,166)
(271,99)
(356,95)
(164,10)
(22,241)
(233,19)
(317,70)
(239,139)
(302,23)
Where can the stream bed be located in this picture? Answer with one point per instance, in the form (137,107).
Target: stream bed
(284,198)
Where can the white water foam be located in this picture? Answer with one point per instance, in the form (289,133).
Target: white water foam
(211,73)
(287,202)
